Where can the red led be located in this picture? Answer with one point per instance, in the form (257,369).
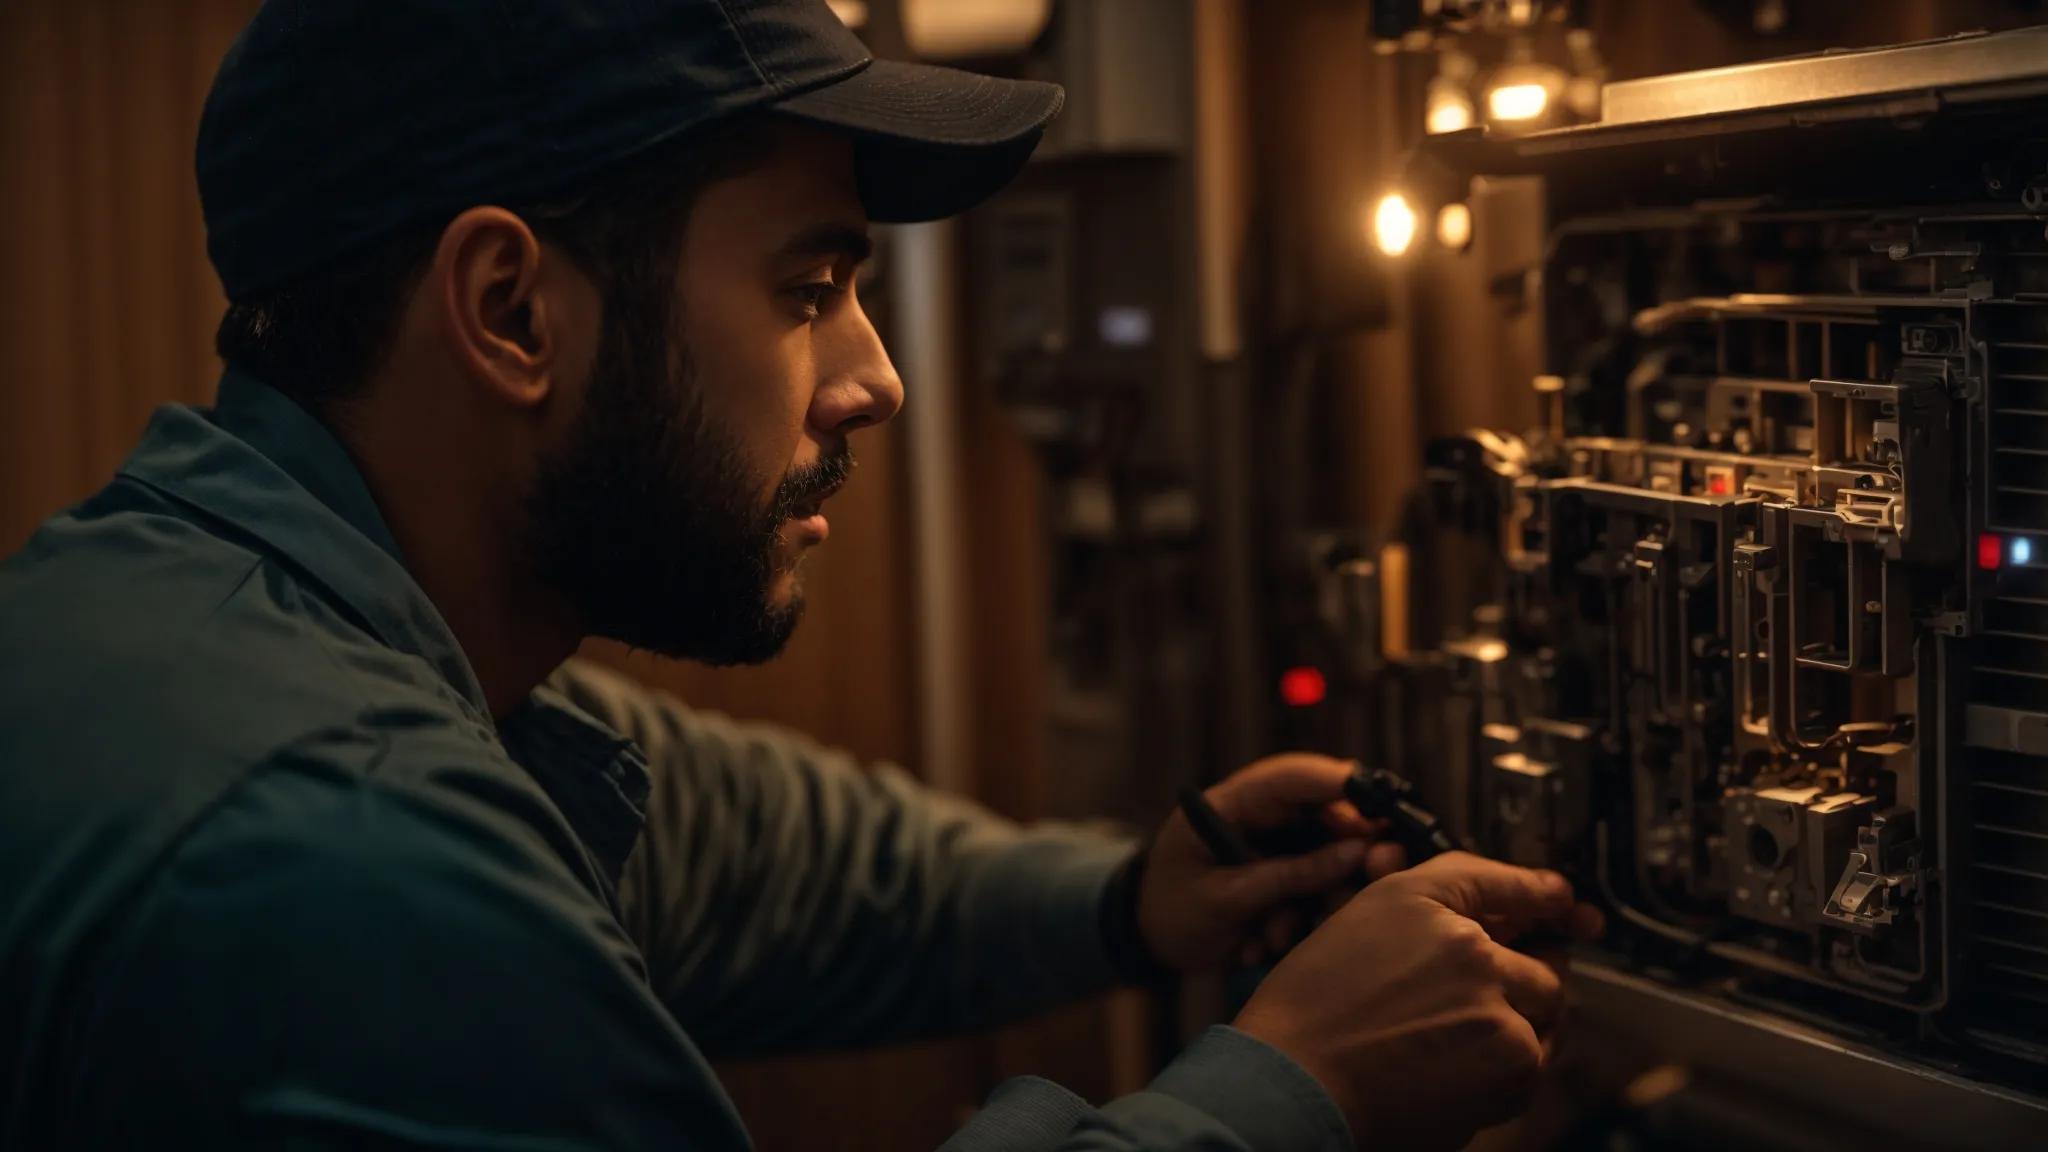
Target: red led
(1303,687)
(1720,484)
(1990,552)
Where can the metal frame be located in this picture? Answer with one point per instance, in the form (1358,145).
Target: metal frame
(1963,61)
(1911,1102)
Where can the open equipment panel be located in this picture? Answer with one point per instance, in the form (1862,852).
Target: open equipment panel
(1750,634)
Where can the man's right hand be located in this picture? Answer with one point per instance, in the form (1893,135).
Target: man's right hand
(1409,1008)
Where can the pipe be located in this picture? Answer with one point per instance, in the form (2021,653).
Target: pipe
(923,291)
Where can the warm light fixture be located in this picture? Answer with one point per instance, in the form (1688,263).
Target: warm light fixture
(1454,226)
(1517,101)
(1447,106)
(1393,224)
(1523,88)
(1449,111)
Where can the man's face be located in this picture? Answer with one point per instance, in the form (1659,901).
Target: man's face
(714,423)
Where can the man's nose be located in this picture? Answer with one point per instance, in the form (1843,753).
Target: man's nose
(859,383)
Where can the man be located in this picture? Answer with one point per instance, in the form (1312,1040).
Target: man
(544,324)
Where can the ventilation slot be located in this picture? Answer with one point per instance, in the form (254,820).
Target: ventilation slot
(2008,806)
(2016,399)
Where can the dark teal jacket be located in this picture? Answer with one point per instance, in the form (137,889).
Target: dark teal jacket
(271,876)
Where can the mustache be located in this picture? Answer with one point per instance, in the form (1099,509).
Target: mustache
(805,488)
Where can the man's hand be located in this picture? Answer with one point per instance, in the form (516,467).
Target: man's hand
(1197,915)
(1409,1009)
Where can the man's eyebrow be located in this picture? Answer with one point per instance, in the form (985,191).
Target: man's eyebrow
(843,240)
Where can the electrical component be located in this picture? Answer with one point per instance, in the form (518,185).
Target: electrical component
(1711,636)
(1990,552)
(1303,687)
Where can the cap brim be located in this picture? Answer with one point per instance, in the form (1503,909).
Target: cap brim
(930,142)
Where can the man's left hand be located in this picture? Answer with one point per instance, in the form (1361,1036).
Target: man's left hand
(1197,915)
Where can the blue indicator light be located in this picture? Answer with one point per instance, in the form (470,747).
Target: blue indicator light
(2022,550)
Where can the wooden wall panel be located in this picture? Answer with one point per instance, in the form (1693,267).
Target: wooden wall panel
(106,301)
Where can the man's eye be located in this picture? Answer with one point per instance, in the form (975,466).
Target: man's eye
(812,297)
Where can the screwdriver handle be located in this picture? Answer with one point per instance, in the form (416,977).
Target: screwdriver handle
(1382,795)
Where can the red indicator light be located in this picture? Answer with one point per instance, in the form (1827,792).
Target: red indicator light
(1720,484)
(1990,552)
(1303,687)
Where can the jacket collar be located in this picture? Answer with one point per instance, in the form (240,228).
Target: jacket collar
(264,466)
(261,466)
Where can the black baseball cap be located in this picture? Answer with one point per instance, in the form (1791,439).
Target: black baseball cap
(334,123)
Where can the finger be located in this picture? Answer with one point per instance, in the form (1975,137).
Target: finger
(1553,935)
(1282,929)
(1384,859)
(1341,818)
(1492,892)
(1274,790)
(1248,891)
(1508,1063)
(1533,988)
(1586,922)
(1548,948)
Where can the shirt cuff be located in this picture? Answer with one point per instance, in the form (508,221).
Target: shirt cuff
(1122,938)
(1255,1090)
(1039,909)
(1027,1112)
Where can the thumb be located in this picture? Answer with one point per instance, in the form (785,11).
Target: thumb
(1254,888)
(1489,891)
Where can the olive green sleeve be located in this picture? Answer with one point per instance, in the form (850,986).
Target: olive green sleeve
(787,898)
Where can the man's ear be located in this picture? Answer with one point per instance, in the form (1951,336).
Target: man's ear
(499,322)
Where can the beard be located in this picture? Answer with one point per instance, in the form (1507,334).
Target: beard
(646,521)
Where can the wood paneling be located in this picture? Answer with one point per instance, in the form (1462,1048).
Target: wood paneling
(107,303)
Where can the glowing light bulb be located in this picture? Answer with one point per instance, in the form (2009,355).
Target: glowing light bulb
(1449,109)
(1393,224)
(1454,226)
(1448,116)
(1517,101)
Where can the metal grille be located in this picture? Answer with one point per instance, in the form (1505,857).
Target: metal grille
(2008,804)
(2006,800)
(2016,401)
